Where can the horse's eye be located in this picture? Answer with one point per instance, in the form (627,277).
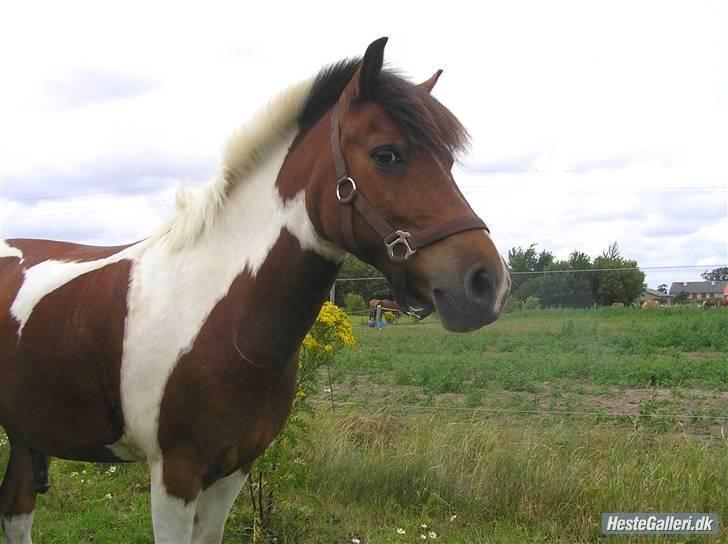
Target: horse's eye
(387,157)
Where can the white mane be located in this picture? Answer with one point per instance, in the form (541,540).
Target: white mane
(246,150)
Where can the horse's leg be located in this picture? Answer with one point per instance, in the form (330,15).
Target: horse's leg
(17,495)
(213,507)
(175,489)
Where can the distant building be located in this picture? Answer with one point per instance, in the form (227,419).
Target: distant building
(701,290)
(659,296)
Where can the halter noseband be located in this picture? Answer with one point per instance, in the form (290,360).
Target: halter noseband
(400,244)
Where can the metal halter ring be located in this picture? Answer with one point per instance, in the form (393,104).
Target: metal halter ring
(396,238)
(352,194)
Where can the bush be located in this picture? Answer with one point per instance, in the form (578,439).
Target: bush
(532,303)
(354,302)
(512,305)
(277,469)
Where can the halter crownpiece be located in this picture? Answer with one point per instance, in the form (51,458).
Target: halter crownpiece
(400,244)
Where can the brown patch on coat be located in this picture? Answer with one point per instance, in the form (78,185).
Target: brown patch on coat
(17,495)
(231,394)
(60,388)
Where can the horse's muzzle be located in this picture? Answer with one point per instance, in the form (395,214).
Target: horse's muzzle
(471,300)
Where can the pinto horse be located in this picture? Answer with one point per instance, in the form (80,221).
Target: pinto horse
(181,350)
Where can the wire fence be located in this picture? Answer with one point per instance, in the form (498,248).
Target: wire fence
(480,409)
(572,271)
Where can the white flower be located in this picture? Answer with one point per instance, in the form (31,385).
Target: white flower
(107,496)
(83,471)
(453,517)
(355,541)
(432,534)
(112,469)
(400,531)
(74,474)
(423,537)
(423,525)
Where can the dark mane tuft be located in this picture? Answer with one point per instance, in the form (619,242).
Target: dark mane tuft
(423,120)
(326,90)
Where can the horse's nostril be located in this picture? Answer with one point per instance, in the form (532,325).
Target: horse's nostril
(479,286)
(481,283)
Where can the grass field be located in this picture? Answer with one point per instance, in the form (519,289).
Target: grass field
(525,431)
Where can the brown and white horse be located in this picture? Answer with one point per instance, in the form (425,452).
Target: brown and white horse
(180,350)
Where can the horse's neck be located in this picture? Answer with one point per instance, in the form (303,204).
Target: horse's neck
(276,308)
(260,270)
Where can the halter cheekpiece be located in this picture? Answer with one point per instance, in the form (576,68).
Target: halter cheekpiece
(400,244)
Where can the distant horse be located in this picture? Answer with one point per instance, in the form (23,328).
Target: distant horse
(650,304)
(181,350)
(387,306)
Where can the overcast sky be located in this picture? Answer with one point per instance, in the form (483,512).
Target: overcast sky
(591,122)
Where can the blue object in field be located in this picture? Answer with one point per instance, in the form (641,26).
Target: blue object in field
(380,324)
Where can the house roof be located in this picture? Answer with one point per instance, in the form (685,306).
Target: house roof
(697,287)
(655,293)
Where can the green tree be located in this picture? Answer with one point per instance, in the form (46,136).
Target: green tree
(526,263)
(613,286)
(717,274)
(662,288)
(367,289)
(568,283)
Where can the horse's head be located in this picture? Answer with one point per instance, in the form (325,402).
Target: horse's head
(381,188)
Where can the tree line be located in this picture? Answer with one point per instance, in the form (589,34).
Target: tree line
(572,282)
(577,281)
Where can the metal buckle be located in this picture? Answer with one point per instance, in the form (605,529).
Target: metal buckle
(396,238)
(352,194)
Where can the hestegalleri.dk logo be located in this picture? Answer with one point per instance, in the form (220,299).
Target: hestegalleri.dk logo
(662,523)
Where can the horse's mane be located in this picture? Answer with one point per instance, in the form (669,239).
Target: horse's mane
(421,118)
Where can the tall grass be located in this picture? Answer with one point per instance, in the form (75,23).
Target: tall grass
(552,481)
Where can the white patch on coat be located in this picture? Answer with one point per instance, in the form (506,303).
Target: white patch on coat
(172,519)
(6,250)
(172,291)
(213,507)
(17,528)
(125,450)
(47,276)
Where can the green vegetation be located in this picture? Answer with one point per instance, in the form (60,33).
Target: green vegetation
(449,430)
(575,282)
(354,302)
(367,289)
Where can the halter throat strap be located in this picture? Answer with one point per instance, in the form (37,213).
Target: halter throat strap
(400,244)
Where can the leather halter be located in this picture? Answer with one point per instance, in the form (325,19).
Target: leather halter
(400,244)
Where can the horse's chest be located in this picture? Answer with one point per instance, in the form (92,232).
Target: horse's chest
(225,404)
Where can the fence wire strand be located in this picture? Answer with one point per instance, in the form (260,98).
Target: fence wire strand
(474,411)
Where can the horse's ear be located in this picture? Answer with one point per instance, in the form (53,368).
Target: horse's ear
(430,83)
(364,81)
(371,66)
